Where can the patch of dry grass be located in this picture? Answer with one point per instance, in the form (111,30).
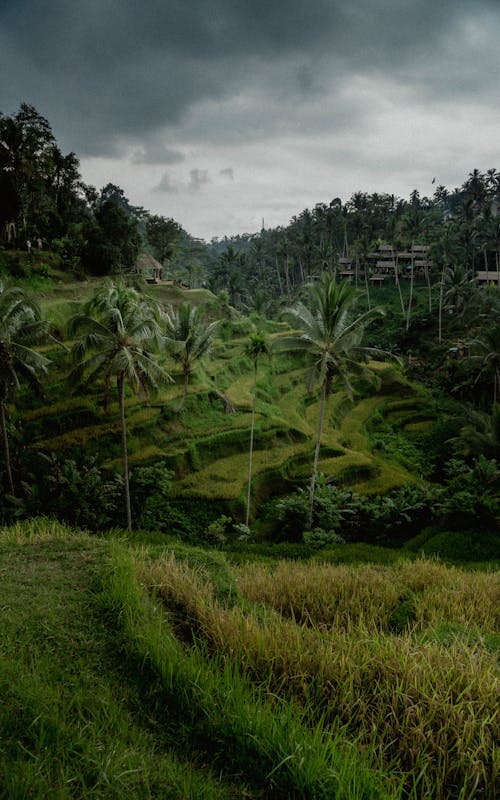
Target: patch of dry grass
(426,710)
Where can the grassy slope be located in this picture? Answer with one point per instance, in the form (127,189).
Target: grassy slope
(124,673)
(75,720)
(100,700)
(285,425)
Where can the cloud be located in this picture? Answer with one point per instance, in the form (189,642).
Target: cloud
(198,178)
(156,153)
(166,184)
(228,173)
(305,100)
(122,70)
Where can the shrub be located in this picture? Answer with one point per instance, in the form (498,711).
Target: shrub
(319,538)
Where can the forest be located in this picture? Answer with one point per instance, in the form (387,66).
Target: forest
(264,471)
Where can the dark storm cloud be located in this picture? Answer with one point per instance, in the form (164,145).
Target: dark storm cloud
(156,153)
(112,73)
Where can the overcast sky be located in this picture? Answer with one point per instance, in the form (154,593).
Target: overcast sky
(221,113)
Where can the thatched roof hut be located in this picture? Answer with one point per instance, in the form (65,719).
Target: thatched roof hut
(149,268)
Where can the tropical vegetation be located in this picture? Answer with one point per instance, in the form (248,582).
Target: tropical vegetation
(229,574)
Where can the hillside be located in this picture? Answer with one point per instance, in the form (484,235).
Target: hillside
(207,447)
(169,672)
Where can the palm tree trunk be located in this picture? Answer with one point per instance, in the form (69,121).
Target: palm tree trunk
(410,299)
(428,278)
(250,458)
(398,284)
(314,475)
(367,286)
(184,390)
(440,313)
(279,275)
(287,277)
(121,399)
(3,424)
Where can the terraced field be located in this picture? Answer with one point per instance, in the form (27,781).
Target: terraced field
(208,448)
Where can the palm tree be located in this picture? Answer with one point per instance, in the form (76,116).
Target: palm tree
(331,335)
(485,352)
(480,434)
(256,346)
(492,242)
(116,336)
(187,338)
(21,327)
(459,288)
(362,248)
(445,251)
(412,224)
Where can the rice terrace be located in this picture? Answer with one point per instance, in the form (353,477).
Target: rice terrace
(250,495)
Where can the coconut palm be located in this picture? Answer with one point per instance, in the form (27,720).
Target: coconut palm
(480,434)
(485,354)
(187,338)
(117,333)
(459,289)
(21,327)
(256,347)
(332,336)
(412,225)
(445,251)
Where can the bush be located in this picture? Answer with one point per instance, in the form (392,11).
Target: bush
(319,538)
(80,493)
(467,545)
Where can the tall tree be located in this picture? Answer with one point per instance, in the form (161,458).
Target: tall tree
(187,338)
(21,327)
(255,348)
(485,355)
(445,251)
(113,240)
(332,337)
(117,333)
(164,236)
(412,225)
(26,145)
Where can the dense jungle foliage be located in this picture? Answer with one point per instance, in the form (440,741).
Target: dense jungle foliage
(249,494)
(404,450)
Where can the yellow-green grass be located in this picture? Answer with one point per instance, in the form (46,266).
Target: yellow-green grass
(343,596)
(425,710)
(418,427)
(225,478)
(80,436)
(60,407)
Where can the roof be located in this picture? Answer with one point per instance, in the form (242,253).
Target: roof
(146,262)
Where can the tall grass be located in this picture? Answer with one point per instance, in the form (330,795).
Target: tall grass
(75,721)
(245,730)
(343,596)
(425,710)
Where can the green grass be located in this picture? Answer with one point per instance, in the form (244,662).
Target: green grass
(75,721)
(101,700)
(283,407)
(132,665)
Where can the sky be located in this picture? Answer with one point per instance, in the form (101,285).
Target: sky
(225,113)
